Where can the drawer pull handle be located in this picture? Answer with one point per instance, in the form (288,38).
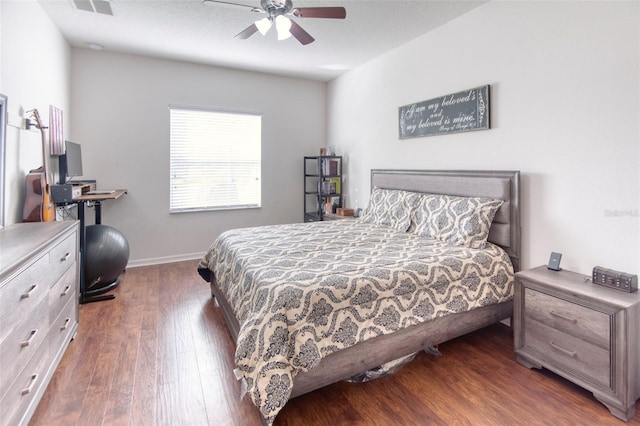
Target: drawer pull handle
(66,323)
(555,314)
(28,341)
(65,291)
(572,354)
(65,257)
(28,389)
(28,293)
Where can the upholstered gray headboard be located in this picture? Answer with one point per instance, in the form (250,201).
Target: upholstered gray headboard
(504,185)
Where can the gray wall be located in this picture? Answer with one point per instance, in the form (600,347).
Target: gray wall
(119,105)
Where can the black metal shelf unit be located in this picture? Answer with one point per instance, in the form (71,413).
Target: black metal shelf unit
(323,187)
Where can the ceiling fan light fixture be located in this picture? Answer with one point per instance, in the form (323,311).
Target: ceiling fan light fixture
(277,12)
(263,25)
(283,25)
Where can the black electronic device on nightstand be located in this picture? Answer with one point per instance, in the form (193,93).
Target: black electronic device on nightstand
(614,279)
(554,261)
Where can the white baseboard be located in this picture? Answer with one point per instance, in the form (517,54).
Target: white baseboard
(161,260)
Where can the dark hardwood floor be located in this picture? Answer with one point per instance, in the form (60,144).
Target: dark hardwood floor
(160,354)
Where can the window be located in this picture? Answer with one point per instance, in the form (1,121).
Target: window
(215,160)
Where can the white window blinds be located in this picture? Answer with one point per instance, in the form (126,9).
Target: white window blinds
(215,160)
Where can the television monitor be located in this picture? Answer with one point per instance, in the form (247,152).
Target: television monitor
(70,163)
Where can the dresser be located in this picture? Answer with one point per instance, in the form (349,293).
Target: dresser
(584,332)
(38,310)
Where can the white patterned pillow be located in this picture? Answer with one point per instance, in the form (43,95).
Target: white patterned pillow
(390,207)
(458,221)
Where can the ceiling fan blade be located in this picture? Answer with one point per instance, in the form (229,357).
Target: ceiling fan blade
(253,8)
(300,34)
(247,32)
(320,12)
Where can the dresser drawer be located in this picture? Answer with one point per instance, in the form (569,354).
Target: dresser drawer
(38,311)
(20,295)
(22,343)
(63,326)
(62,292)
(571,318)
(26,386)
(582,358)
(62,257)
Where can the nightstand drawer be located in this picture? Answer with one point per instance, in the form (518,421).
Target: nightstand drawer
(591,362)
(571,318)
(584,332)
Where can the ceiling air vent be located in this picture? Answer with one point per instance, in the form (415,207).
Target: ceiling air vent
(98,6)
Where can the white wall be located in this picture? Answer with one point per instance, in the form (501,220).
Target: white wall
(119,105)
(565,111)
(34,74)
(564,105)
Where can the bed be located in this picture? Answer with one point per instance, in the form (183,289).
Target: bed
(309,304)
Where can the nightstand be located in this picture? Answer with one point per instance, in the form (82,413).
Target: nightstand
(584,332)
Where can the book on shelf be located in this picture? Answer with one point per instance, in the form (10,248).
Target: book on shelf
(330,166)
(334,185)
(333,167)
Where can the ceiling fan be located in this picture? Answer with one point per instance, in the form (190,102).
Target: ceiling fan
(278,12)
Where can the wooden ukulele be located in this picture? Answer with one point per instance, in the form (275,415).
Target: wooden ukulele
(38,205)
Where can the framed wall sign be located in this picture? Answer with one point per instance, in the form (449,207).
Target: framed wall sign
(457,112)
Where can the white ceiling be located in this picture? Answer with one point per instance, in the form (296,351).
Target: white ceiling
(189,30)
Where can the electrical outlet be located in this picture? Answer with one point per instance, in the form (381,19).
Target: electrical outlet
(15,120)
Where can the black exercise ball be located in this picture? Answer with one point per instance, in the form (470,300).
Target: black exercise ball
(106,253)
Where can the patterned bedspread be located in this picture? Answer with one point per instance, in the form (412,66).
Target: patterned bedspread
(303,291)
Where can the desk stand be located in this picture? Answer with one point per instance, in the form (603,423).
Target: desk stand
(88,296)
